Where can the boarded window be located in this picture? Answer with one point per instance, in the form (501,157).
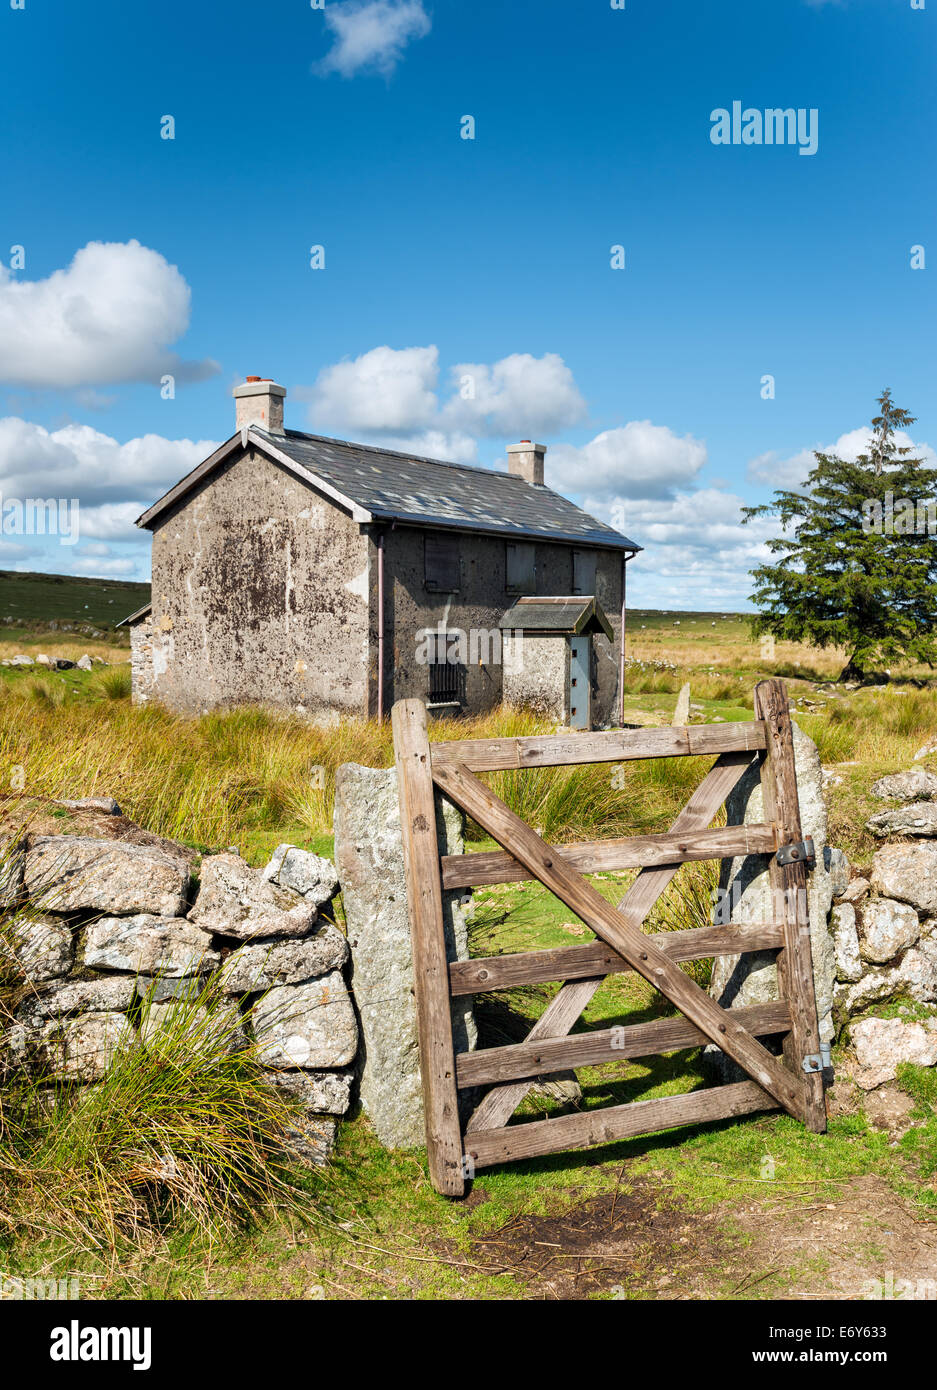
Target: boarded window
(442,568)
(583,571)
(521,568)
(446,673)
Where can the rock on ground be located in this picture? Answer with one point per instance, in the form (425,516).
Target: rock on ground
(145,944)
(303,872)
(264,964)
(236,900)
(308,1026)
(68,873)
(106,804)
(917,784)
(311,1139)
(369,857)
(882,1044)
(319,1092)
(919,819)
(41,947)
(72,1049)
(908,873)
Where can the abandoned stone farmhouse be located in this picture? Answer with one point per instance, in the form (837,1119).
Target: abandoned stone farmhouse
(333,578)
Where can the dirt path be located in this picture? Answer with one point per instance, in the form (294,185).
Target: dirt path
(639,1241)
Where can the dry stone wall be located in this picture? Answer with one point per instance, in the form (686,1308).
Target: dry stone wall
(873,938)
(101,924)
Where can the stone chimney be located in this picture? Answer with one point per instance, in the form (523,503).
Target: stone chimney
(526,460)
(260,402)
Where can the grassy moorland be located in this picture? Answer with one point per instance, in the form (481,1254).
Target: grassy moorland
(29,599)
(727,1211)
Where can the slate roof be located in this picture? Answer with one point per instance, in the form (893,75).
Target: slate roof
(403,487)
(392,486)
(573,615)
(132,618)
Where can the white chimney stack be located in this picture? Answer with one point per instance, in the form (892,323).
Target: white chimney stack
(260,402)
(526,461)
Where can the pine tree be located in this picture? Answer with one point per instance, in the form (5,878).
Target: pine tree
(857,564)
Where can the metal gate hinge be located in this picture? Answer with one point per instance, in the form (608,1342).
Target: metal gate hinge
(801,852)
(819,1061)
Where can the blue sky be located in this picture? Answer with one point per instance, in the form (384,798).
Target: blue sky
(451,260)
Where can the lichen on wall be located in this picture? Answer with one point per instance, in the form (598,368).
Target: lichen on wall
(251,598)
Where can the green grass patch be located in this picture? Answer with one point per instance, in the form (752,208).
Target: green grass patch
(30,598)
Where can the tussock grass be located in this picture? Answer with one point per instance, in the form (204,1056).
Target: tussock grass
(213,780)
(115,683)
(181,1127)
(43,690)
(876,726)
(182,1130)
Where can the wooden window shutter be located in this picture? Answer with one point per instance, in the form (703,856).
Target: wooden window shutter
(520,567)
(583,571)
(442,567)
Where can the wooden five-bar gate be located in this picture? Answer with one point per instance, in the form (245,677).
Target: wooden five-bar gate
(793,1080)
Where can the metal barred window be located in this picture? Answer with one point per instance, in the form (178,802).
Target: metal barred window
(446,677)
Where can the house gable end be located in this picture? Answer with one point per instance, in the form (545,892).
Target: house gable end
(232,451)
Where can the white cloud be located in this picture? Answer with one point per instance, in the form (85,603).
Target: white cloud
(371,35)
(118,567)
(639,459)
(697,553)
(78,461)
(96,550)
(387,389)
(390,395)
(520,395)
(792,472)
(112,521)
(110,316)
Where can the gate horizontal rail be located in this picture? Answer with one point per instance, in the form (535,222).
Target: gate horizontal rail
(485,973)
(560,750)
(607,856)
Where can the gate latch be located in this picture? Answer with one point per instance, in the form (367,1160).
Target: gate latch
(819,1061)
(801,852)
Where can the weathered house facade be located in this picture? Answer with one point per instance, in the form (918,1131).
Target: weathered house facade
(333,578)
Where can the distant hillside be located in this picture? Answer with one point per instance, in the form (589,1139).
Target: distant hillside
(44,598)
